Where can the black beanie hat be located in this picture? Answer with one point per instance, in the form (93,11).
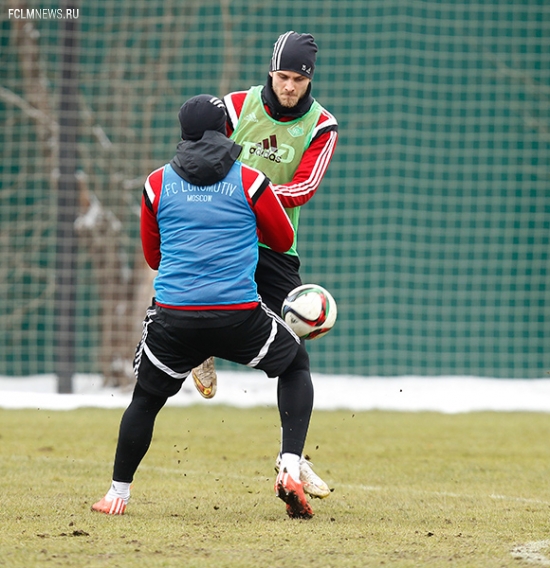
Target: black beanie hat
(201,113)
(294,52)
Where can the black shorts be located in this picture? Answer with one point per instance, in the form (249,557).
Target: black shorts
(174,342)
(276,275)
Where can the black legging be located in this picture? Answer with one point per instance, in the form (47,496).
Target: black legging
(294,398)
(295,401)
(135,433)
(276,275)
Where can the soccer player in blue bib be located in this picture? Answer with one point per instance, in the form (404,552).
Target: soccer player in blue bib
(201,217)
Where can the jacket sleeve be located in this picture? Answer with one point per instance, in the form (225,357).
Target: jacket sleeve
(234,104)
(310,172)
(149,229)
(274,227)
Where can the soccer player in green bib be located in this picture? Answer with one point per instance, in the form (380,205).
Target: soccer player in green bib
(291,138)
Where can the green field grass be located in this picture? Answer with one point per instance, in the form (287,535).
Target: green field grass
(410,489)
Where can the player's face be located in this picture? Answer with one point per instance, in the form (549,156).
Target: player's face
(289,87)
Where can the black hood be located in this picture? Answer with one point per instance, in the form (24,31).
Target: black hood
(278,110)
(205,161)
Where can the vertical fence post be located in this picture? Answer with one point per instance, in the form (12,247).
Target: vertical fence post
(67,204)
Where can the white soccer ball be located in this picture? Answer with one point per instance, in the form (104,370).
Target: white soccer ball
(310,311)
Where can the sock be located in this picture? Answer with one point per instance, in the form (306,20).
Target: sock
(291,462)
(119,489)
